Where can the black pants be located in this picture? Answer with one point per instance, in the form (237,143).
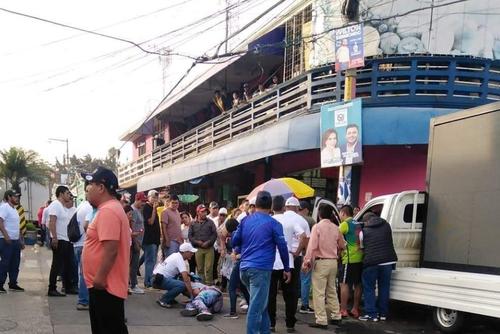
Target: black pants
(107,313)
(289,295)
(62,263)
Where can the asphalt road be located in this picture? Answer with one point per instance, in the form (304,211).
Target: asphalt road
(33,312)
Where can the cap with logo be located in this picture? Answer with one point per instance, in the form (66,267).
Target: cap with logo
(104,176)
(11,192)
(187,247)
(292,201)
(213,205)
(140,197)
(201,208)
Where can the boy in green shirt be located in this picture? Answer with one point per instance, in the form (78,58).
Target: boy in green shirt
(352,263)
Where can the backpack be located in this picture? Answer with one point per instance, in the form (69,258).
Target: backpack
(74,233)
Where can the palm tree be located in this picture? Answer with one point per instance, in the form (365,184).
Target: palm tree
(18,165)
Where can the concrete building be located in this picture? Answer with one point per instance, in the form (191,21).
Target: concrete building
(417,66)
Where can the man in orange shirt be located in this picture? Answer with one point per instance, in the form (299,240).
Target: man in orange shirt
(106,254)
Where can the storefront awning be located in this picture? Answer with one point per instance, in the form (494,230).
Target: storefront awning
(286,136)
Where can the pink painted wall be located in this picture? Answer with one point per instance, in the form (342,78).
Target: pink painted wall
(149,146)
(391,169)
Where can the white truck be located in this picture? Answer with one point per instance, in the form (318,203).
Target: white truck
(446,238)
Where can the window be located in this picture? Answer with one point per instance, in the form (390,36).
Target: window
(376,209)
(294,50)
(141,148)
(408,213)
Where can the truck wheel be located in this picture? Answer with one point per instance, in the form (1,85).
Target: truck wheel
(446,320)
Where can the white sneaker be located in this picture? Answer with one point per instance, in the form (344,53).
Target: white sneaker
(243,302)
(136,290)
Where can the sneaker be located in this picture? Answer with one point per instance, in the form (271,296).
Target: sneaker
(366,317)
(82,307)
(335,322)
(344,313)
(71,292)
(2,290)
(55,293)
(16,288)
(136,290)
(382,318)
(244,308)
(306,310)
(231,315)
(189,312)
(162,304)
(316,325)
(204,316)
(243,302)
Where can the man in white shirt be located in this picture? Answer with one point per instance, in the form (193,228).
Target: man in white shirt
(11,241)
(83,210)
(62,248)
(291,230)
(165,273)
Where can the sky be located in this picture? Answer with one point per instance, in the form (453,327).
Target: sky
(64,84)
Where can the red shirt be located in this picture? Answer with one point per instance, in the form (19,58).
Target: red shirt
(110,223)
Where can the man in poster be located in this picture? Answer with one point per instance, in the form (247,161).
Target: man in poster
(351,150)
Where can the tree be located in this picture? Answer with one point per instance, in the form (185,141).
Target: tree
(87,164)
(18,165)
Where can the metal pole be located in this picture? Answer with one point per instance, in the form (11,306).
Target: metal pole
(346,172)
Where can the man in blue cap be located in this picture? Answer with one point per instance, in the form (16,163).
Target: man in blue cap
(256,239)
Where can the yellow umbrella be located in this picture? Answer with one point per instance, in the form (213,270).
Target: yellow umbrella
(299,188)
(285,186)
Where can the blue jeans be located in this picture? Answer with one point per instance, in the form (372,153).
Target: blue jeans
(235,283)
(150,253)
(305,287)
(257,282)
(380,275)
(172,248)
(10,258)
(83,292)
(174,288)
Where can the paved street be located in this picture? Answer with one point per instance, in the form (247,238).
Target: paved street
(33,312)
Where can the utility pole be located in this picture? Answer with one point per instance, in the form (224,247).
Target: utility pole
(346,172)
(66,161)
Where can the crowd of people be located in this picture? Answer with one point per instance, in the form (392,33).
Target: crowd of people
(223,100)
(265,245)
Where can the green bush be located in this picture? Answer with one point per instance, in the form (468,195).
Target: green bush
(30,227)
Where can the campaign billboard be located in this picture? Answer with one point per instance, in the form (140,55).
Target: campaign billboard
(411,26)
(349,47)
(341,134)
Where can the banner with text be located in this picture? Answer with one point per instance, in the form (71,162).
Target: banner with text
(341,134)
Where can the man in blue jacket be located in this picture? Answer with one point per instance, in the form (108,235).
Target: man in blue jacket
(256,240)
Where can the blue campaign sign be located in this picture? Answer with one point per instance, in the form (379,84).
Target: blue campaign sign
(349,52)
(341,133)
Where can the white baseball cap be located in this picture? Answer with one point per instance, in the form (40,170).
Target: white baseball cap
(222,211)
(152,192)
(187,247)
(292,201)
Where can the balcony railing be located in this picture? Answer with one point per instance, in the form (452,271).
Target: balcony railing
(420,81)
(129,173)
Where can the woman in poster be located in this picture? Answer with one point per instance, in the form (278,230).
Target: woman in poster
(330,151)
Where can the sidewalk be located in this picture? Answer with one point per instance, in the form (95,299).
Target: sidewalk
(33,312)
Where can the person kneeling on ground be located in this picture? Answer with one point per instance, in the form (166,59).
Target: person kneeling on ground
(207,301)
(164,275)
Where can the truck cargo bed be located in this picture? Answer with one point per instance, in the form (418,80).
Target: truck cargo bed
(461,291)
